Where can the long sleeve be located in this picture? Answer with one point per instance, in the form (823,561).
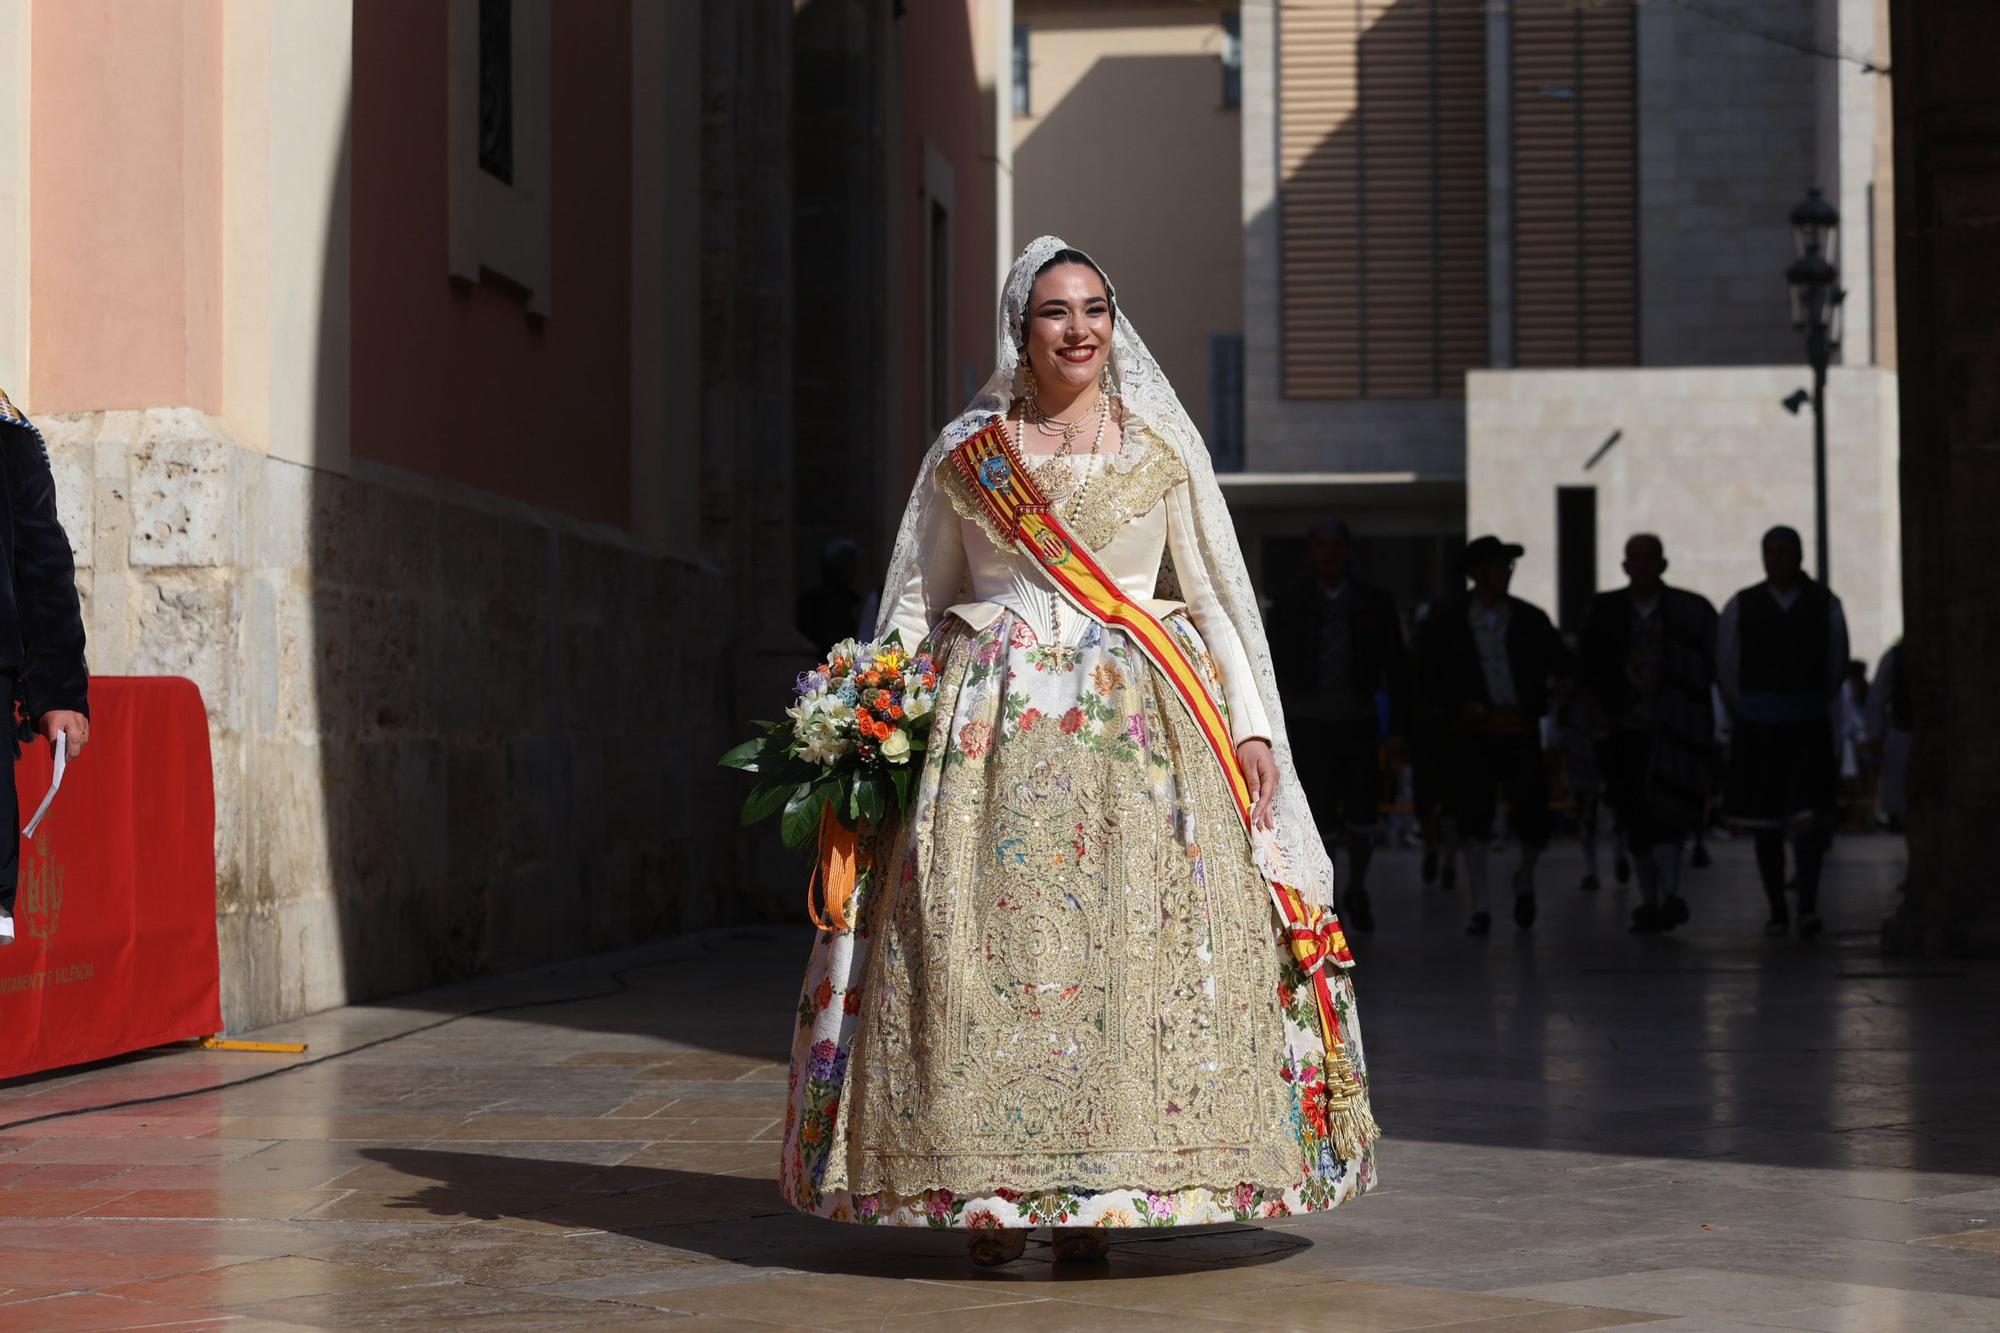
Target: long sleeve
(53,674)
(1247,719)
(1836,645)
(1396,672)
(934,583)
(1729,655)
(1881,695)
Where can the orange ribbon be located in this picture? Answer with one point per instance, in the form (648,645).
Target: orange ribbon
(834,872)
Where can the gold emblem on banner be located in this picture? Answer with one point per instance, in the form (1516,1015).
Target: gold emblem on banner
(38,905)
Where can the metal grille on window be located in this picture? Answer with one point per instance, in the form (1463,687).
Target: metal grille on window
(1382,142)
(496,89)
(1576,186)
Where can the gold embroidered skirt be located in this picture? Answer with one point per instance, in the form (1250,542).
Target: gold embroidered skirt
(1065,999)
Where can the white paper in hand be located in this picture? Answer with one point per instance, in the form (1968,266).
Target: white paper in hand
(55,785)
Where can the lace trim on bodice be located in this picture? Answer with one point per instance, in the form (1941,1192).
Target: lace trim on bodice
(1125,486)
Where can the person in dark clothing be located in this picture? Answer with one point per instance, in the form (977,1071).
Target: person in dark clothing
(1336,645)
(1428,734)
(1485,662)
(41,621)
(1781,651)
(1648,658)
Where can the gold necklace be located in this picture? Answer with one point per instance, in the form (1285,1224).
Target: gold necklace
(1070,429)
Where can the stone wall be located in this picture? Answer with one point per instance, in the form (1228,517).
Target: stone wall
(451,735)
(1708,459)
(1728,143)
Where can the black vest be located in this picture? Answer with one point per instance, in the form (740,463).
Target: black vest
(1784,651)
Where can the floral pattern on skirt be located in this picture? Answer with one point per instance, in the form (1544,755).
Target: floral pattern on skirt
(993,1071)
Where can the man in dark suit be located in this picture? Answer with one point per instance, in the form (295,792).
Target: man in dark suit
(41,623)
(1485,661)
(1648,658)
(1780,655)
(1337,647)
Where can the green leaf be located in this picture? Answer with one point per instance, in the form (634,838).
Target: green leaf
(766,799)
(901,778)
(869,798)
(747,755)
(802,811)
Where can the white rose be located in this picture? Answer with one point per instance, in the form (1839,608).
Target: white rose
(896,747)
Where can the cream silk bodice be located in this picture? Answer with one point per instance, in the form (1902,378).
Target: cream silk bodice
(1136,510)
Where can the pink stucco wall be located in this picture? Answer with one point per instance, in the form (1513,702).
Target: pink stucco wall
(125,162)
(455,380)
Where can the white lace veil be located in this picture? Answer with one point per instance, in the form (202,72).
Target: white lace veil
(1293,853)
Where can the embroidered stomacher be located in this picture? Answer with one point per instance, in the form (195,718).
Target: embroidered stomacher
(1126,486)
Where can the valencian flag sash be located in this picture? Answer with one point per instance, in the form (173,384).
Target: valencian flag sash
(992,471)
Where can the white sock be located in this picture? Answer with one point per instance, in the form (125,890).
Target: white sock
(1475,872)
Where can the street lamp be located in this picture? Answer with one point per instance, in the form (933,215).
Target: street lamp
(1816,303)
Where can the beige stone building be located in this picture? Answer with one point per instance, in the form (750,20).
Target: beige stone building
(424,380)
(1480,239)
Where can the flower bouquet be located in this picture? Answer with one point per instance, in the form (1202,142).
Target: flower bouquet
(845,755)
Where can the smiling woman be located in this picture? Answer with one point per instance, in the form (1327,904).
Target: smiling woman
(1094,982)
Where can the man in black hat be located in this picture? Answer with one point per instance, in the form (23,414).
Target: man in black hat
(1337,645)
(1781,653)
(1648,659)
(1484,664)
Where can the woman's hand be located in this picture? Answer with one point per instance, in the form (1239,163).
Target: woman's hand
(1262,772)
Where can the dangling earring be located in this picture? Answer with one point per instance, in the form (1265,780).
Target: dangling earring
(1027,378)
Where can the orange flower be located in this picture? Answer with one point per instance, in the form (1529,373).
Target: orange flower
(824,995)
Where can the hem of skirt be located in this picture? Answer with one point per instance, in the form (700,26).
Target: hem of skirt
(1098,1210)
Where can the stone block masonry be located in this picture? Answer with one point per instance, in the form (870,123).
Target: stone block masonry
(451,736)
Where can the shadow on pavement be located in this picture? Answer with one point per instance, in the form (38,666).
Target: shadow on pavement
(742,1220)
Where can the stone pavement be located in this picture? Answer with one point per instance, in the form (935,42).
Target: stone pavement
(1588,1130)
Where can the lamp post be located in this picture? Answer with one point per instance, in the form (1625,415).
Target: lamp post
(1816,303)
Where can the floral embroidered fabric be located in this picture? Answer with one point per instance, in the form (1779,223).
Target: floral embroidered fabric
(1065,1000)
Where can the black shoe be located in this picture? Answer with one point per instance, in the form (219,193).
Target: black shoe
(1360,913)
(1481,924)
(1810,925)
(1648,920)
(1621,869)
(1699,859)
(1430,869)
(1448,877)
(1674,910)
(1778,927)
(1524,910)
(1590,884)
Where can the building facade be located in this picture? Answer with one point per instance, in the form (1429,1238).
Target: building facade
(1481,241)
(422,380)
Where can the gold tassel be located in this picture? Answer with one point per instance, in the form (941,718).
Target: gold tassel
(1350,1123)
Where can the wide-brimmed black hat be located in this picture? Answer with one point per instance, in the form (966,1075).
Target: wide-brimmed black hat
(1489,550)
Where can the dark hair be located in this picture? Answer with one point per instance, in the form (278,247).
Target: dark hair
(1789,536)
(1061,257)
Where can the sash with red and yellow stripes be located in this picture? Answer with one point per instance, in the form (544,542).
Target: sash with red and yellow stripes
(1006,491)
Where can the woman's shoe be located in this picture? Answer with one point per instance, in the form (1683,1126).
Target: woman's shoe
(989,1247)
(1082,1245)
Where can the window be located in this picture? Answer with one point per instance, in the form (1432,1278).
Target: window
(1576,553)
(1021,103)
(498,115)
(1232,60)
(496,89)
(1576,186)
(938,317)
(1225,401)
(1382,200)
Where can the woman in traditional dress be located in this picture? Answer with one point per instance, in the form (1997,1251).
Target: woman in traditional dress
(1067,997)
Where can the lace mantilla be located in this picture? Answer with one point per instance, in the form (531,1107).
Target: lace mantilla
(1293,854)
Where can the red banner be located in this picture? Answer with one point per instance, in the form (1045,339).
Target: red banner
(114,922)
